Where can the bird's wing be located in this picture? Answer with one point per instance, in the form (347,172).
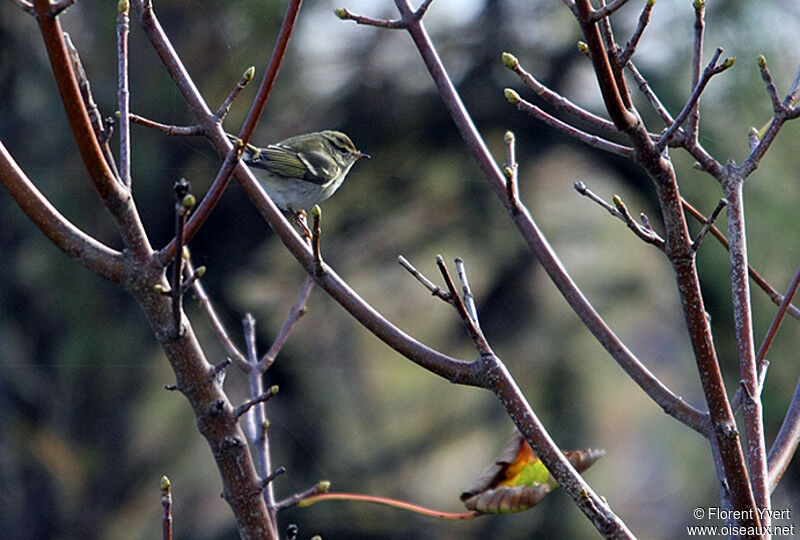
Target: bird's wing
(314,166)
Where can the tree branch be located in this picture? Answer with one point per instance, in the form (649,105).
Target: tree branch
(95,256)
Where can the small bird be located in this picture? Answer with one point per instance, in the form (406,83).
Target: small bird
(303,170)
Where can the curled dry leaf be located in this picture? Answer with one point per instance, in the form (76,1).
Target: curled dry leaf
(518,479)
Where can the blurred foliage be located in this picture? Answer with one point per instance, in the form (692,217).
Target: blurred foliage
(86,430)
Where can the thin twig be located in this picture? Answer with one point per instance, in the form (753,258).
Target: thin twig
(711,69)
(316,233)
(428,284)
(272,476)
(247,76)
(320,487)
(709,223)
(630,47)
(242,409)
(620,211)
(645,88)
(469,299)
(511,171)
(166,504)
(169,130)
(216,324)
(606,10)
(563,127)
(776,297)
(60,6)
(181,210)
(697,65)
(25,6)
(554,99)
(346,15)
(123,94)
(767,78)
(297,311)
(102,133)
(471,325)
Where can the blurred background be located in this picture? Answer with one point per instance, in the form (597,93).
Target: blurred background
(86,428)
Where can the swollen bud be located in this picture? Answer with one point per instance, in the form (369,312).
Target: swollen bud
(762,62)
(584,48)
(730,61)
(617,201)
(165,483)
(509,137)
(512,96)
(699,4)
(201,271)
(510,61)
(316,211)
(189,201)
(341,13)
(249,74)
(323,486)
(123,6)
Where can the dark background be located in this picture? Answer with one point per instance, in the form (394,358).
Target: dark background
(86,429)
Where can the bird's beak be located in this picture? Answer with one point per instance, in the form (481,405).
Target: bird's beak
(362,155)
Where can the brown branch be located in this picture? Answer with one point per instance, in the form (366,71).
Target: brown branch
(242,409)
(208,309)
(115,197)
(25,6)
(294,500)
(92,254)
(428,284)
(711,69)
(644,20)
(697,65)
(776,297)
(708,224)
(169,130)
(557,101)
(346,15)
(297,311)
(609,89)
(743,320)
(470,324)
(247,76)
(644,87)
(586,138)
(604,11)
(102,132)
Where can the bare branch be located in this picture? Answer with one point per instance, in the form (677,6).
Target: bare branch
(428,284)
(563,127)
(297,311)
(115,196)
(645,88)
(58,7)
(711,70)
(92,254)
(102,133)
(469,299)
(320,487)
(247,76)
(470,325)
(776,297)
(205,304)
(346,15)
(767,78)
(24,5)
(554,99)
(250,403)
(709,223)
(697,64)
(169,130)
(630,47)
(166,504)
(606,10)
(123,94)
(511,172)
